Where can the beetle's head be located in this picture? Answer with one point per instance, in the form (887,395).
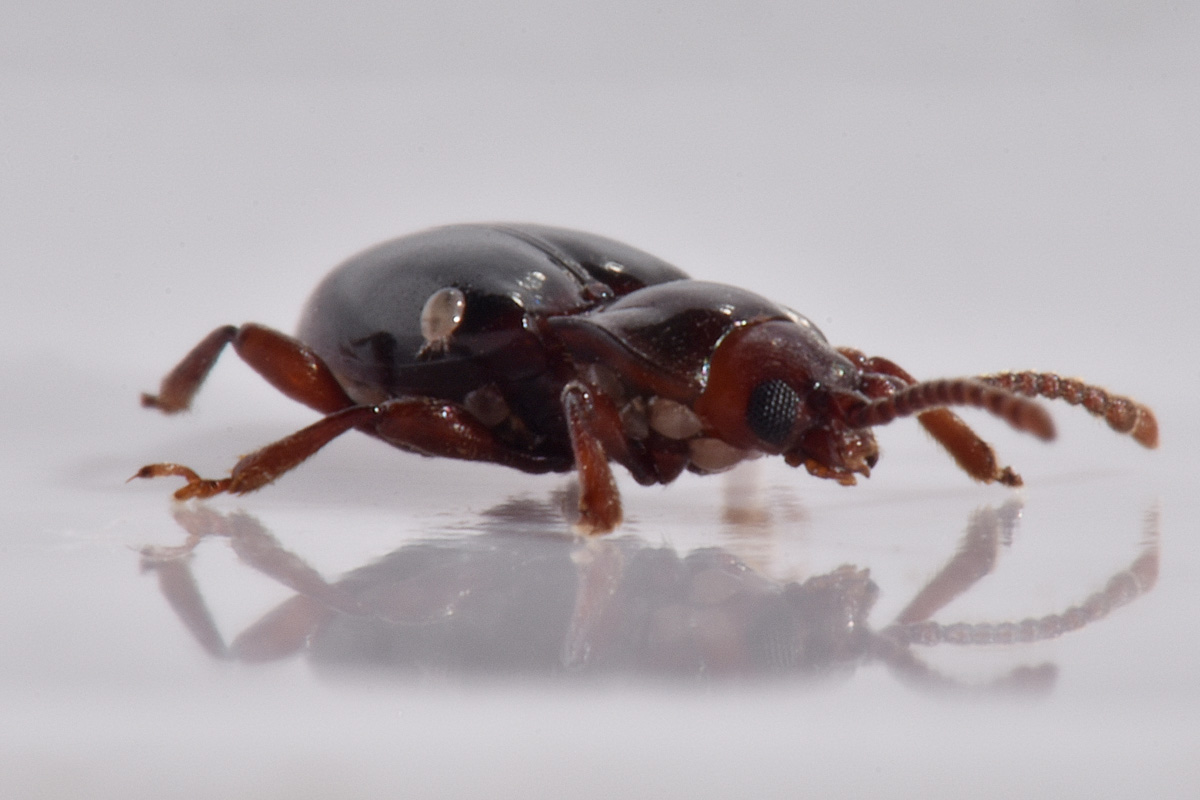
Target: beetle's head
(778,387)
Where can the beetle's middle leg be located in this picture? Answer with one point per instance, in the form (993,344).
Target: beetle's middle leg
(286,363)
(590,428)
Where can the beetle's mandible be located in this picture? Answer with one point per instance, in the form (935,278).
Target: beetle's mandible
(547,350)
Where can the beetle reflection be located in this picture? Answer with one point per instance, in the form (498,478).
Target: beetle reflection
(520,599)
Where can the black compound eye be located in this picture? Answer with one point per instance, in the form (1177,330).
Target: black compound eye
(772,411)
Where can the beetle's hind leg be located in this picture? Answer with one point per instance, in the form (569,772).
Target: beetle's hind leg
(427,426)
(289,366)
(180,385)
(268,463)
(286,363)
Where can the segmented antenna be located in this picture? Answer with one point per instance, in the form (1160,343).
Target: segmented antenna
(1022,414)
(1122,414)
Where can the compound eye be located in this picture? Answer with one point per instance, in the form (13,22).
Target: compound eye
(771,411)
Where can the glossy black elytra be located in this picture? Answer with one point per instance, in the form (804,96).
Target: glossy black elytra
(547,349)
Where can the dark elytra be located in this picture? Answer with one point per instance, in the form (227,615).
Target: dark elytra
(547,350)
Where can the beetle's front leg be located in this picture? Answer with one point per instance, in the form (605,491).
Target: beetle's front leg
(972,454)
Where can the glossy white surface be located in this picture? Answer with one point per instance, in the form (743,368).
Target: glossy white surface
(961,192)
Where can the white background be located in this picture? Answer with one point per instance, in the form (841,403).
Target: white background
(960,189)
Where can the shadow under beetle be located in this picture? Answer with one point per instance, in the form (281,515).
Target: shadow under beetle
(547,350)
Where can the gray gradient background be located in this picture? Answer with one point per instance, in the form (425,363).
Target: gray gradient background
(962,189)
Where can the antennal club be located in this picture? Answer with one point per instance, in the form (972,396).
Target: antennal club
(1020,413)
(1122,414)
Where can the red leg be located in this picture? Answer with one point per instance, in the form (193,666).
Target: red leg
(972,454)
(599,500)
(265,465)
(180,384)
(447,430)
(429,427)
(287,364)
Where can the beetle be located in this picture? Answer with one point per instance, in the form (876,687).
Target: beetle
(547,349)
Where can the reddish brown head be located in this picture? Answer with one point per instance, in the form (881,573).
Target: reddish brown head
(778,387)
